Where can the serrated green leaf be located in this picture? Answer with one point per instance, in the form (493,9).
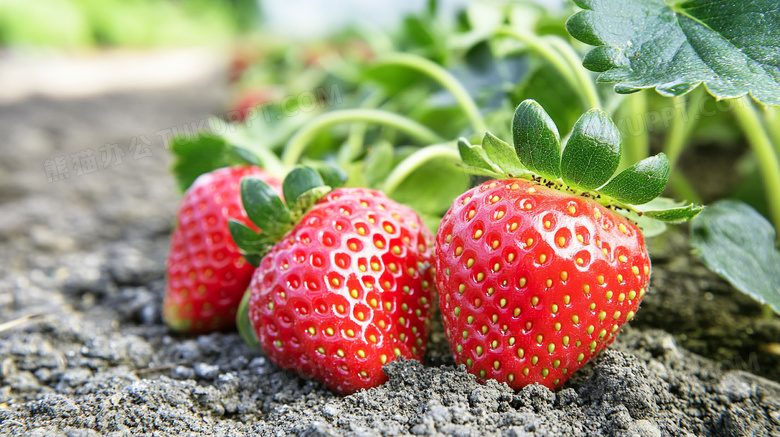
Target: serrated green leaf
(593,151)
(640,183)
(264,208)
(502,155)
(475,156)
(536,138)
(738,243)
(196,155)
(679,214)
(730,45)
(245,328)
(300,180)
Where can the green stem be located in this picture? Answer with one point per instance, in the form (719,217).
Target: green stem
(772,118)
(297,144)
(544,50)
(683,123)
(414,161)
(768,160)
(683,188)
(636,144)
(358,130)
(587,86)
(444,78)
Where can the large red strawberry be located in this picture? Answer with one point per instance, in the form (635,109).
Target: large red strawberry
(207,275)
(344,291)
(538,272)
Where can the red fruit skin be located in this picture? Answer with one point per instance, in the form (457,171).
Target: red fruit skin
(346,290)
(207,275)
(534,282)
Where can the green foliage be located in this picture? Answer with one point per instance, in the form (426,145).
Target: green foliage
(748,260)
(673,46)
(138,23)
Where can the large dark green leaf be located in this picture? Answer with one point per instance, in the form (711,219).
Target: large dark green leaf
(730,45)
(640,183)
(738,243)
(593,151)
(537,142)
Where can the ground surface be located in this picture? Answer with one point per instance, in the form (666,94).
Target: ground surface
(88,253)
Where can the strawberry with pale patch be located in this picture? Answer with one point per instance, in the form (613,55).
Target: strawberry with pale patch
(538,270)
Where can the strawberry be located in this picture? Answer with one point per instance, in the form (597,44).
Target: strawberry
(537,272)
(344,291)
(207,275)
(251,101)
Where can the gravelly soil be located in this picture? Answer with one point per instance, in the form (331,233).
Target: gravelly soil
(88,254)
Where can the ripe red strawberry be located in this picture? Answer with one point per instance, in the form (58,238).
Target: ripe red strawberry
(346,290)
(207,275)
(536,270)
(534,282)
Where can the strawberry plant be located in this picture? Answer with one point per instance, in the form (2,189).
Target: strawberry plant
(539,268)
(344,283)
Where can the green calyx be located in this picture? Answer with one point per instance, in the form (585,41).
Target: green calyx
(584,167)
(302,188)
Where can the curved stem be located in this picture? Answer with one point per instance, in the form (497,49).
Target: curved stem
(587,85)
(297,144)
(768,161)
(358,130)
(772,118)
(414,161)
(636,140)
(683,122)
(443,77)
(546,52)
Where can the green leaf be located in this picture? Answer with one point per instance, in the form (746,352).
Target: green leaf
(502,155)
(640,183)
(593,151)
(300,180)
(244,324)
(537,142)
(730,45)
(432,187)
(474,156)
(738,243)
(196,155)
(678,215)
(264,208)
